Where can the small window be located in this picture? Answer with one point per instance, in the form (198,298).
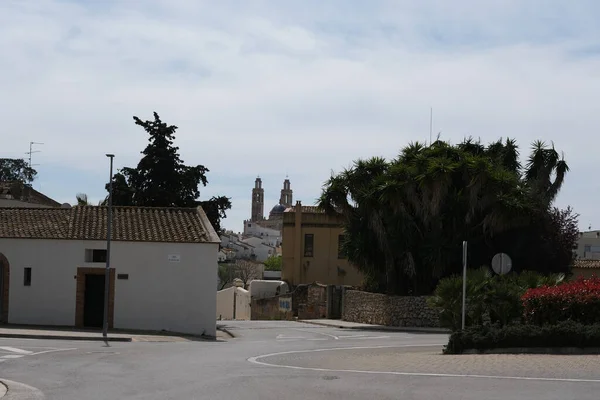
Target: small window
(309,239)
(249,225)
(27,277)
(123,276)
(95,255)
(340,241)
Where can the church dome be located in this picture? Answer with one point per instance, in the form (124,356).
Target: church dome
(278,209)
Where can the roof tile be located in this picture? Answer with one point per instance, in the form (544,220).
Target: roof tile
(587,264)
(143,224)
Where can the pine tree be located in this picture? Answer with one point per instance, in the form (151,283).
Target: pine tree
(161,179)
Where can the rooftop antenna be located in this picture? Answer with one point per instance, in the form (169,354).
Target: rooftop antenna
(30,152)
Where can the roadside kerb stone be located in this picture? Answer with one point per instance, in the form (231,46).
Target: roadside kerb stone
(19,391)
(65,337)
(380,328)
(537,350)
(225,330)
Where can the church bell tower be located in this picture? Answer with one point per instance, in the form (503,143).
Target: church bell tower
(258,201)
(286,197)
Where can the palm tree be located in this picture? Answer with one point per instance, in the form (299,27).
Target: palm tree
(545,163)
(82,200)
(404,219)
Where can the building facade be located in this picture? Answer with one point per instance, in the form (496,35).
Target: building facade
(163,268)
(588,246)
(311,249)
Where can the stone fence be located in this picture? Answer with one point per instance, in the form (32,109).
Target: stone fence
(380,309)
(311,301)
(272,308)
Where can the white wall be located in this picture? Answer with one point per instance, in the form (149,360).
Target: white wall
(159,294)
(225,303)
(260,289)
(243,306)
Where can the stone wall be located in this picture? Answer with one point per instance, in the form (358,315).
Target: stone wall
(315,305)
(307,302)
(269,309)
(379,309)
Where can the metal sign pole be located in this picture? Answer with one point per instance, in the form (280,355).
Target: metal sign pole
(464,293)
(108,237)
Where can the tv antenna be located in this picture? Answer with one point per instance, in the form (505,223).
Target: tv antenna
(31,151)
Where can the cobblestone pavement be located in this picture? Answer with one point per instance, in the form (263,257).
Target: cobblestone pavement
(431,361)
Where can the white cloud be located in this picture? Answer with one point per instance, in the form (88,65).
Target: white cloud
(260,88)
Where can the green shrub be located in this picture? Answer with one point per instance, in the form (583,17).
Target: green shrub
(576,301)
(563,334)
(491,299)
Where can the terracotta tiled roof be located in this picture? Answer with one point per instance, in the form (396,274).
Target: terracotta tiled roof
(307,209)
(586,264)
(20,192)
(138,224)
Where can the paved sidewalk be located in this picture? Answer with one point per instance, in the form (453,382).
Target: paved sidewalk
(58,333)
(338,323)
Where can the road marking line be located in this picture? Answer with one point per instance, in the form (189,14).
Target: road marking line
(15,350)
(318,333)
(51,351)
(11,356)
(373,337)
(255,360)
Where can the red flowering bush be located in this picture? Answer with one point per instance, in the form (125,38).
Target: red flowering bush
(577,301)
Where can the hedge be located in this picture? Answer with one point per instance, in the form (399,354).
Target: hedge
(577,301)
(562,334)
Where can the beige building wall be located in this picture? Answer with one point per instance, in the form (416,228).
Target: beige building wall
(323,265)
(588,245)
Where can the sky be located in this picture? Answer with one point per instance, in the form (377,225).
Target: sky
(297,88)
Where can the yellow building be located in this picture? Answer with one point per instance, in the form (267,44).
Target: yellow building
(311,248)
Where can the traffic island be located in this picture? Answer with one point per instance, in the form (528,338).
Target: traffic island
(566,337)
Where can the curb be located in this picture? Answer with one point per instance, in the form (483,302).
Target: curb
(538,350)
(20,391)
(55,337)
(381,328)
(225,330)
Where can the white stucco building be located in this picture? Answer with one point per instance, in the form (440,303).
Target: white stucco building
(260,251)
(163,268)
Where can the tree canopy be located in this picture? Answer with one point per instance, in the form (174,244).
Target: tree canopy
(16,169)
(161,179)
(405,219)
(273,263)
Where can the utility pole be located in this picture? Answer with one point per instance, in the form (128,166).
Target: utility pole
(108,234)
(430,124)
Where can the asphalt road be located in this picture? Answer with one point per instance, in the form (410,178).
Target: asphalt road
(289,360)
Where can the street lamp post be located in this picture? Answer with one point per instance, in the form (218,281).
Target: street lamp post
(108,233)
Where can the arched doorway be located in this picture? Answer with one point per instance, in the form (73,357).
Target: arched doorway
(4,284)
